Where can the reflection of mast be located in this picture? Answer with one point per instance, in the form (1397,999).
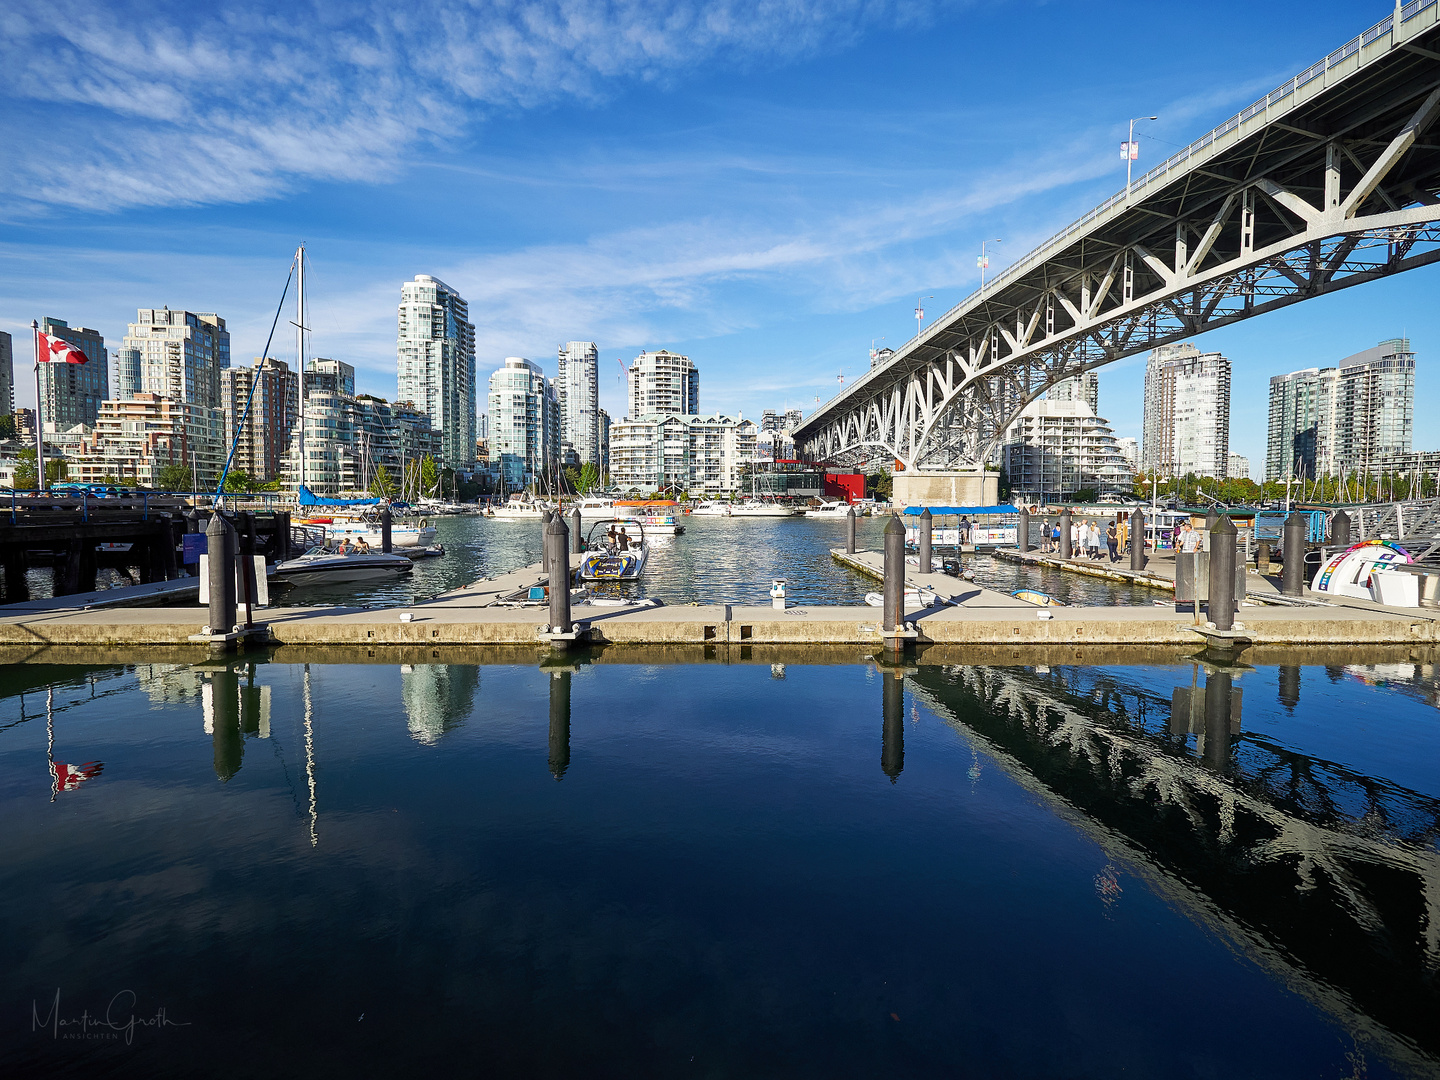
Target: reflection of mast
(50,741)
(310,760)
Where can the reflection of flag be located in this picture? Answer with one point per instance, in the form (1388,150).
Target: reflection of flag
(69,777)
(54,348)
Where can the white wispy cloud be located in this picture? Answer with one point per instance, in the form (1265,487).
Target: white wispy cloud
(159,105)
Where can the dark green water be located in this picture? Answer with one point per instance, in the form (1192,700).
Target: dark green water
(647,869)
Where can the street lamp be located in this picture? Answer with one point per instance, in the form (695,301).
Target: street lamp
(1131,150)
(983,262)
(920,313)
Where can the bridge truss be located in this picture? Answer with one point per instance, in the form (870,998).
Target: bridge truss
(1326,183)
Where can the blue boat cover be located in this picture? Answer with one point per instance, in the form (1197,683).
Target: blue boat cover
(968,511)
(306,497)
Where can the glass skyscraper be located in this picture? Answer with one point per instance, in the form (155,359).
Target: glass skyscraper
(435,364)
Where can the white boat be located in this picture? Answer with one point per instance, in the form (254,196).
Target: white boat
(829,508)
(617,557)
(355,530)
(520,507)
(657,515)
(711,508)
(323,566)
(754,508)
(1350,572)
(913,598)
(594,506)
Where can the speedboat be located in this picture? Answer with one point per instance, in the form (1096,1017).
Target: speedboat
(520,507)
(754,508)
(322,565)
(607,559)
(711,508)
(657,515)
(829,508)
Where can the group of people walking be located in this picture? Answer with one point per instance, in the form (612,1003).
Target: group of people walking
(1086,540)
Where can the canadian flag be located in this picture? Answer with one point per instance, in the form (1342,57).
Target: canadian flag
(57,349)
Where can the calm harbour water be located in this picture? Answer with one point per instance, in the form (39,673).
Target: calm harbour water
(599,868)
(716,561)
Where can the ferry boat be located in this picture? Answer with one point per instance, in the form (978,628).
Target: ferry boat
(605,559)
(657,515)
(323,565)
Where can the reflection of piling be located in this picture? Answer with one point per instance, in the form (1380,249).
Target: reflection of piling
(559,723)
(1217,718)
(225,709)
(850,531)
(557,561)
(927,522)
(1289,685)
(894,591)
(1065,533)
(892,736)
(1340,529)
(1137,539)
(1222,573)
(1022,532)
(1292,578)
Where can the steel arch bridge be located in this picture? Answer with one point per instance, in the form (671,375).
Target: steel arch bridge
(1327,182)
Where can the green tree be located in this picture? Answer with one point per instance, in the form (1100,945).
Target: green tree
(174,477)
(25,478)
(239,480)
(8,428)
(572,478)
(429,476)
(589,478)
(383,484)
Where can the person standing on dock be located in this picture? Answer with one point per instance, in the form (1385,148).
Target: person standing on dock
(1112,541)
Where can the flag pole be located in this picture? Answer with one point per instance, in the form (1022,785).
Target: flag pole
(39,421)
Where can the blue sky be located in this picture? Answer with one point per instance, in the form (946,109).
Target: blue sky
(765,185)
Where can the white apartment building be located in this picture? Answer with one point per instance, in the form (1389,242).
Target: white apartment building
(1343,419)
(271,392)
(324,438)
(135,439)
(577,389)
(72,393)
(1130,450)
(698,454)
(1057,448)
(524,410)
(181,354)
(1083,387)
(435,364)
(1187,412)
(663,383)
(1238,467)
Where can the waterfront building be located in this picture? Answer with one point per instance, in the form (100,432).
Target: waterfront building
(72,393)
(577,388)
(1237,467)
(1083,387)
(1342,419)
(435,357)
(1130,450)
(603,433)
(663,382)
(181,354)
(1187,412)
(264,437)
(680,451)
(393,435)
(524,419)
(1055,449)
(25,425)
(134,439)
(793,419)
(769,420)
(329,430)
(7,375)
(125,372)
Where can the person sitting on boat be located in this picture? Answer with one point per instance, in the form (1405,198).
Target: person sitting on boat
(362,546)
(345,548)
(624,539)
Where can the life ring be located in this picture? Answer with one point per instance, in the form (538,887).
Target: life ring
(424,524)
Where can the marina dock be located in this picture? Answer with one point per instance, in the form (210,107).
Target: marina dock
(964,613)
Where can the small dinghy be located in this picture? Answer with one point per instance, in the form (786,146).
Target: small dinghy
(1038,598)
(913,598)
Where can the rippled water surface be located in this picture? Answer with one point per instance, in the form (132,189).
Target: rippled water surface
(593,867)
(716,561)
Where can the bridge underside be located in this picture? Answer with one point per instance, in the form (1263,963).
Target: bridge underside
(1339,191)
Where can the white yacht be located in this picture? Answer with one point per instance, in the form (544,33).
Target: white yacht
(594,506)
(711,508)
(322,565)
(520,507)
(829,508)
(755,508)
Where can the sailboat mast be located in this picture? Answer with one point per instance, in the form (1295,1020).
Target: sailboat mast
(300,352)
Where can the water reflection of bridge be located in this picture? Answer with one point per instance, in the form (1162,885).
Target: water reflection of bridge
(1328,878)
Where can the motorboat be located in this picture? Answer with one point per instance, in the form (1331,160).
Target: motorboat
(594,506)
(711,508)
(829,508)
(323,565)
(755,508)
(520,507)
(402,534)
(612,552)
(1351,572)
(913,598)
(657,515)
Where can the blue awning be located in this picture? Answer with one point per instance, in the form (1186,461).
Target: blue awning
(957,511)
(306,497)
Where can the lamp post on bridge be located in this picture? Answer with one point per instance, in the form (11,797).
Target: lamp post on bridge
(983,262)
(920,313)
(1131,150)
